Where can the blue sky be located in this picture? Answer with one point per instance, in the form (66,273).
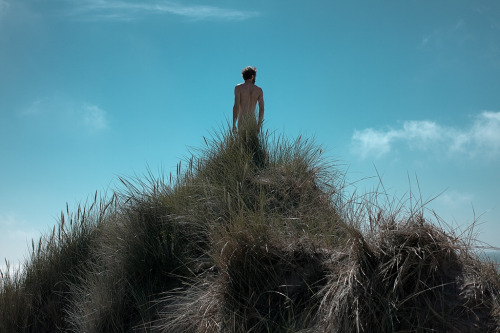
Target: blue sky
(95,89)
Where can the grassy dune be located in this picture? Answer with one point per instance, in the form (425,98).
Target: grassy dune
(253,234)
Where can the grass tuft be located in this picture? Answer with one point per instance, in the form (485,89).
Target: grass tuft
(253,233)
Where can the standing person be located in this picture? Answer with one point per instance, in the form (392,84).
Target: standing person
(246,96)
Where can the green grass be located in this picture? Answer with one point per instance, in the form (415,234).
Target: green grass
(252,233)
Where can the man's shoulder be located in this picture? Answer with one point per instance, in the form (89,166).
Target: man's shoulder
(255,87)
(247,86)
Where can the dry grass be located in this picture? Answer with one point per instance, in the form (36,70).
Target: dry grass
(409,276)
(35,298)
(253,234)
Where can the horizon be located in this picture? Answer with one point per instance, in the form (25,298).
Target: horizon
(405,95)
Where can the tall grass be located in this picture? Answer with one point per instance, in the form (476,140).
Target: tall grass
(36,297)
(252,234)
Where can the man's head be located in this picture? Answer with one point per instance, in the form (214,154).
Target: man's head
(248,72)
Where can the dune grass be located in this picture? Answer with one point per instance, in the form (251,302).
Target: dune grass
(35,297)
(253,233)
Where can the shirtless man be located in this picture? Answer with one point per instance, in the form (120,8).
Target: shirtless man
(246,96)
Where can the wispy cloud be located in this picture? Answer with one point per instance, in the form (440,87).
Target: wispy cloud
(132,10)
(481,137)
(94,117)
(455,35)
(486,131)
(4,6)
(14,239)
(60,113)
(454,200)
(458,208)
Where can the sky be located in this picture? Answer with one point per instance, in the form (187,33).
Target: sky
(403,93)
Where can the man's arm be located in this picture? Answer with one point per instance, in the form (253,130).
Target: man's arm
(261,108)
(236,107)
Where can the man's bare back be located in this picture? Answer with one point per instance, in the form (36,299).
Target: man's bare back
(246,97)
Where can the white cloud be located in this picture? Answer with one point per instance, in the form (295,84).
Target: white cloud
(4,7)
(370,141)
(418,134)
(132,10)
(486,131)
(59,112)
(422,130)
(455,200)
(14,240)
(482,137)
(94,117)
